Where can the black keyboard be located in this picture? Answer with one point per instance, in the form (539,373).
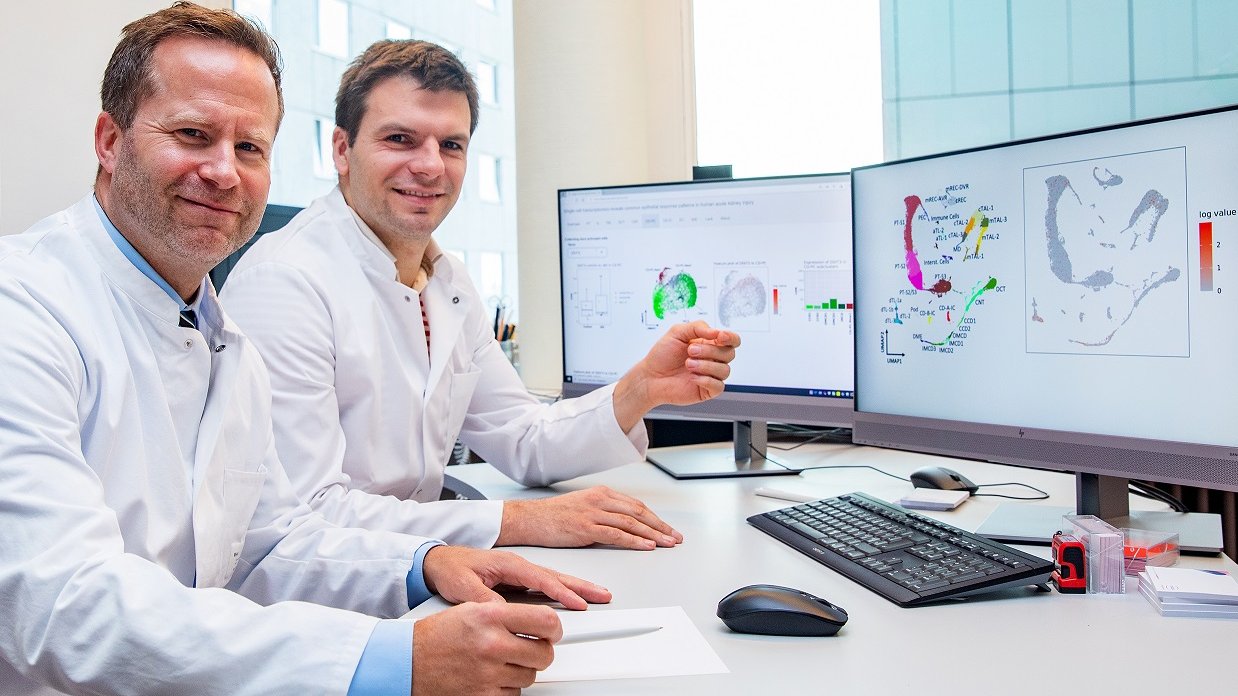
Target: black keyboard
(907,558)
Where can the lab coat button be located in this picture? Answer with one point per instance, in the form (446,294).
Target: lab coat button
(407,298)
(455,300)
(188,343)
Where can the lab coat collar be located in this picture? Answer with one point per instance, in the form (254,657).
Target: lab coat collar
(433,251)
(142,289)
(375,259)
(445,296)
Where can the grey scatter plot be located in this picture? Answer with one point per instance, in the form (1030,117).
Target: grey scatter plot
(742,295)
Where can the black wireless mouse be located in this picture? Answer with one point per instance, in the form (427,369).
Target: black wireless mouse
(779,611)
(943,478)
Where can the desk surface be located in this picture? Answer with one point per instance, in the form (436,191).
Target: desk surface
(1010,643)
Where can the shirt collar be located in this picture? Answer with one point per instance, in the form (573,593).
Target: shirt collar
(433,253)
(142,264)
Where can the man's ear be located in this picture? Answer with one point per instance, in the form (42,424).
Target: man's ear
(107,141)
(339,150)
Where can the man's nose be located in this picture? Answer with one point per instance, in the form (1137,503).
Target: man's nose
(219,167)
(427,159)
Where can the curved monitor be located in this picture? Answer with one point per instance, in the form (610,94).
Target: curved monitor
(1060,303)
(769,258)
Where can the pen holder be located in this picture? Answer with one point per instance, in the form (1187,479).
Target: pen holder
(511,349)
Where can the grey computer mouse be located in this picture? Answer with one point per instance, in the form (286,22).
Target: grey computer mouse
(779,611)
(943,478)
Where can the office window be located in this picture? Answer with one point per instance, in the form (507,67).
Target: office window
(490,276)
(324,162)
(1046,67)
(333,27)
(259,10)
(786,87)
(398,32)
(487,82)
(488,178)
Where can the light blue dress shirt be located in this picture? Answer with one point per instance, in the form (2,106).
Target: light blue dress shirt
(386,666)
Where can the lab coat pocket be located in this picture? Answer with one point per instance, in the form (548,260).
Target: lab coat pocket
(463,384)
(241,492)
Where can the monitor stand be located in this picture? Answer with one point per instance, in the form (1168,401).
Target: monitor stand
(747,457)
(1108,498)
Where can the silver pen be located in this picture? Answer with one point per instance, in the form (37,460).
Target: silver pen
(609,634)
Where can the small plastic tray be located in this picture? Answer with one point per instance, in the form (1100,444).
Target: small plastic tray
(1142,548)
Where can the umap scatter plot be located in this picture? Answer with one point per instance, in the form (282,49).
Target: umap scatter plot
(1105,243)
(674,292)
(742,295)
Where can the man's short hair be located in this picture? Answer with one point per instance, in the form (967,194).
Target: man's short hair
(128,78)
(432,66)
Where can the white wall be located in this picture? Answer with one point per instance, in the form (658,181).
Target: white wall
(53,53)
(603,96)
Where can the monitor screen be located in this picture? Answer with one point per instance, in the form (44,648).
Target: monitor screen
(768,258)
(1061,303)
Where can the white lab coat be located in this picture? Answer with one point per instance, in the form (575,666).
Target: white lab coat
(145,520)
(364,419)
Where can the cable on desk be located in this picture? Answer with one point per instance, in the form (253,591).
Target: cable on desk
(833,435)
(1043,495)
(1146,490)
(824,466)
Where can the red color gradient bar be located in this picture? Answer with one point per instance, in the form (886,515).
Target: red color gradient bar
(775,300)
(1205,256)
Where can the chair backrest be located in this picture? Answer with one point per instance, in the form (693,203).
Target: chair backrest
(275,217)
(455,489)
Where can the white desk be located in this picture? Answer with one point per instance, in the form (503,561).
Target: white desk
(1015,642)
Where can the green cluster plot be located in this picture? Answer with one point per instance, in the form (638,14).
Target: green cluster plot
(676,293)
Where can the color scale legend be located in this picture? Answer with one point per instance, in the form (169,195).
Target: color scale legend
(1205,256)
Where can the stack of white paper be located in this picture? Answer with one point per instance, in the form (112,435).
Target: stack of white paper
(1190,592)
(933,499)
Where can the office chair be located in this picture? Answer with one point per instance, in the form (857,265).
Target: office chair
(275,217)
(455,489)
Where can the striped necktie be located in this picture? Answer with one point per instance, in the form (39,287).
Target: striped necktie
(189,319)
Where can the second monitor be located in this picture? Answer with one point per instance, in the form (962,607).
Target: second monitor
(768,258)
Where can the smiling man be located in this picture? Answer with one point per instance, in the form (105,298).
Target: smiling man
(382,354)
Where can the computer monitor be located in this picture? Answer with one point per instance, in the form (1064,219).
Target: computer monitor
(769,258)
(1060,303)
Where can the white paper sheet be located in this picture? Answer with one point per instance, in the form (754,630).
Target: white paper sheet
(675,650)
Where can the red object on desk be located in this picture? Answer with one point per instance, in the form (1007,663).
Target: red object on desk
(1070,568)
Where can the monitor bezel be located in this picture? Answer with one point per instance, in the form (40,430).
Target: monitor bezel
(730,405)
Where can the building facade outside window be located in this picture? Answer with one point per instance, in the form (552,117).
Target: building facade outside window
(398,32)
(487,82)
(318,45)
(488,186)
(333,27)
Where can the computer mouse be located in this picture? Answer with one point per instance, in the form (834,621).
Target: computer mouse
(779,611)
(943,478)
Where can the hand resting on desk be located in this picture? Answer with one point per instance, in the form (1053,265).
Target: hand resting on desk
(595,515)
